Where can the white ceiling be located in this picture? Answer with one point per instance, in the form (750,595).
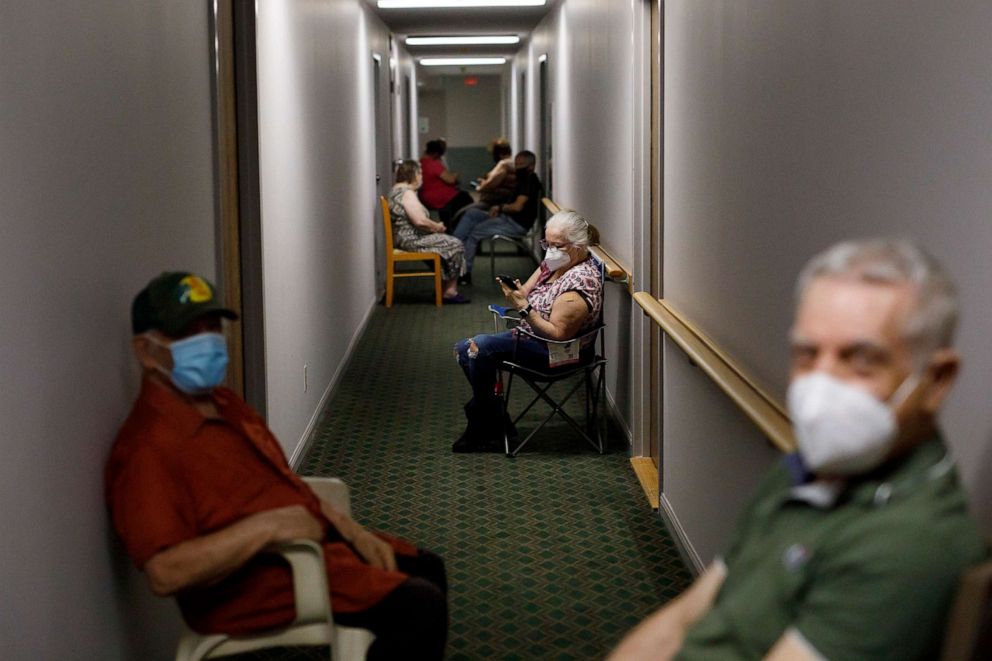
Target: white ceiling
(488,20)
(471,21)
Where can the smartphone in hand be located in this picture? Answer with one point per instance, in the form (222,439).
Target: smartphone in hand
(508,281)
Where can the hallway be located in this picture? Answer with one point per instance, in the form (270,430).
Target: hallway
(715,144)
(553,554)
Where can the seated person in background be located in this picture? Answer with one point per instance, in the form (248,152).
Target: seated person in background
(514,218)
(413,230)
(851,548)
(197,485)
(440,190)
(500,183)
(562,299)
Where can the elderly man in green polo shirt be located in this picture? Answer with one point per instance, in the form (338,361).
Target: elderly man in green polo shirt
(851,548)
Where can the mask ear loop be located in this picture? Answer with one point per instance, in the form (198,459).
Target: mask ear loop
(154,340)
(165,345)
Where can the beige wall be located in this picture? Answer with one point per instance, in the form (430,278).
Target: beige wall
(432,105)
(473,114)
(319,207)
(789,126)
(597,140)
(405,135)
(106,180)
(466,116)
(105,137)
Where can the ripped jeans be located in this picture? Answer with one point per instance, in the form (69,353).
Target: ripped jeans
(483,410)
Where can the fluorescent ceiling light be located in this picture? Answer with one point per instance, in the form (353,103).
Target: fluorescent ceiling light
(460,61)
(457,4)
(462,41)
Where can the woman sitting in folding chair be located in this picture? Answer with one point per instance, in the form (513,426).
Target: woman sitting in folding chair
(560,301)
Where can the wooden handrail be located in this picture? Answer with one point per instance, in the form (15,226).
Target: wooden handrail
(614,270)
(729,376)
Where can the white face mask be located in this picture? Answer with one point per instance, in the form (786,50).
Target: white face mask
(842,429)
(555,258)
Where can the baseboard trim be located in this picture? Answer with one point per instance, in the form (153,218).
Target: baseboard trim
(647,475)
(682,543)
(611,405)
(306,440)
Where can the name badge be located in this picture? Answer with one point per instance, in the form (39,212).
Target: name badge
(563,354)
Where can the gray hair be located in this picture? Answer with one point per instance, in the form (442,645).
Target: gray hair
(932,322)
(575,227)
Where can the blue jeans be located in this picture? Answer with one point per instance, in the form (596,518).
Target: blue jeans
(476,225)
(484,410)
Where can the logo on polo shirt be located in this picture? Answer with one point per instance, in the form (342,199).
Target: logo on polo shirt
(795,557)
(193,289)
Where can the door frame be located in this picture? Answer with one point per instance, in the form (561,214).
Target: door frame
(647,126)
(657,235)
(237,199)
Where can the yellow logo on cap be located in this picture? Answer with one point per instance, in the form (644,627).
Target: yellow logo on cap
(195,290)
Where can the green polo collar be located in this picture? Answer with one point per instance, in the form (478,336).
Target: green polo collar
(929,461)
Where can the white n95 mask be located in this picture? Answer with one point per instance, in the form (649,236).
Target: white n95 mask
(555,258)
(842,429)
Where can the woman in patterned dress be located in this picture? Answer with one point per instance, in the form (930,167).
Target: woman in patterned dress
(561,300)
(414,230)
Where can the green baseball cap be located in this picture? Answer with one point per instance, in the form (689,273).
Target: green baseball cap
(172,301)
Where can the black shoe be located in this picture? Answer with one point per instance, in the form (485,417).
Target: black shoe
(465,280)
(466,443)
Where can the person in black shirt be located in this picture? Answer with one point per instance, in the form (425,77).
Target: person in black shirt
(513,219)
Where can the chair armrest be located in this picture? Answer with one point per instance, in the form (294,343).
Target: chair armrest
(331,490)
(505,314)
(306,560)
(591,331)
(499,310)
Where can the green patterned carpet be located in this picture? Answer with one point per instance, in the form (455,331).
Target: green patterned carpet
(552,555)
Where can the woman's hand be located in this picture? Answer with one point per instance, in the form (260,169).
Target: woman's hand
(516,297)
(439,228)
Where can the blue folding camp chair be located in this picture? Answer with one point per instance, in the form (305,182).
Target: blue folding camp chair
(591,368)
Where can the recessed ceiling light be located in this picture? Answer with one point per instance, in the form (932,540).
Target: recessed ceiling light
(458,4)
(460,61)
(462,41)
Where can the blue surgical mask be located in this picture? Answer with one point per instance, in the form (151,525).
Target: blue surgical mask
(199,362)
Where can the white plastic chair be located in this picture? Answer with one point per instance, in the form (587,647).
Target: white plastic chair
(313,624)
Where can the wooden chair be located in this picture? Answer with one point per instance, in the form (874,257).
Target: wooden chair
(313,624)
(969,628)
(394,255)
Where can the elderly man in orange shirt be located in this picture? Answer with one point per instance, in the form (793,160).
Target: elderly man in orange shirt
(197,485)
